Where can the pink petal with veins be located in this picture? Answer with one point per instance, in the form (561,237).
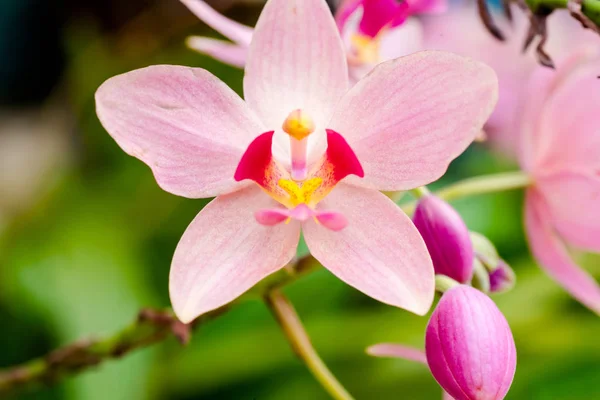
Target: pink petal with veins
(187,125)
(224,252)
(296,61)
(380,252)
(410,117)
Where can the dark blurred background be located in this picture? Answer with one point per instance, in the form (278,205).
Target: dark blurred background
(86,238)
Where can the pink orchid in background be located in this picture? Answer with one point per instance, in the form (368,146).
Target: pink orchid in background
(276,161)
(461,32)
(469,347)
(373,31)
(561,152)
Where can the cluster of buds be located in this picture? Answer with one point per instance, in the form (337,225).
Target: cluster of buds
(469,346)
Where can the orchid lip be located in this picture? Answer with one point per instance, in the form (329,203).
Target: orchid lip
(259,164)
(299,196)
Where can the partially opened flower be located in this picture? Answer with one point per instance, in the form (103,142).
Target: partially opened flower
(302,152)
(373,31)
(469,347)
(561,152)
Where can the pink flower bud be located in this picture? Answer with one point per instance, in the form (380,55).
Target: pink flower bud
(469,346)
(447,238)
(502,278)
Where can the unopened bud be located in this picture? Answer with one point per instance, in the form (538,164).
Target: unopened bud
(447,238)
(469,346)
(502,279)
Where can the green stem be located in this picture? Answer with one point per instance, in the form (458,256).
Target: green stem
(481,276)
(444,283)
(150,327)
(479,185)
(298,338)
(420,192)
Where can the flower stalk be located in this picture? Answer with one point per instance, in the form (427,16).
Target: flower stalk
(295,333)
(484,184)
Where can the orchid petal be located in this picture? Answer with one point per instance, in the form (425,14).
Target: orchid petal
(187,125)
(393,350)
(239,33)
(224,252)
(380,252)
(296,61)
(410,117)
(572,198)
(221,50)
(553,256)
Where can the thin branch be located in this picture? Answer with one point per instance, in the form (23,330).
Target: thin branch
(150,327)
(294,331)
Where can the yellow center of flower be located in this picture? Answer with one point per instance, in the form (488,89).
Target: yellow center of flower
(298,125)
(366,48)
(300,194)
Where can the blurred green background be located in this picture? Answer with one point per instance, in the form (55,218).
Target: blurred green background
(86,239)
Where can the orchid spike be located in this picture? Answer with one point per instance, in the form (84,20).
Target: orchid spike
(469,346)
(301,152)
(447,238)
(561,152)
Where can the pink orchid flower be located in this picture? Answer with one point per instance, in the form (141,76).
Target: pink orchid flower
(276,161)
(373,31)
(561,152)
